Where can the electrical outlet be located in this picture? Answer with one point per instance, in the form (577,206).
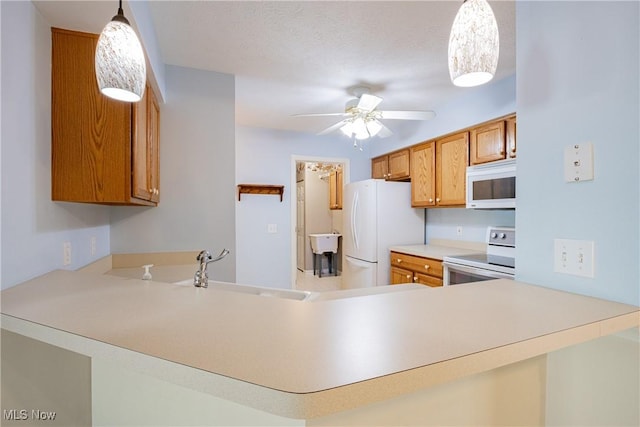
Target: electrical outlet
(272,228)
(574,257)
(459,231)
(93,243)
(66,253)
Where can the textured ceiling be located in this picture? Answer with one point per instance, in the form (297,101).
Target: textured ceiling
(293,57)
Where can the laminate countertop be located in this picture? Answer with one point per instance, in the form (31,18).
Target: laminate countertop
(434,251)
(303,359)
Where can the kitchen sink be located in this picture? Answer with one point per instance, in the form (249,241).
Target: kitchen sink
(324,242)
(254,290)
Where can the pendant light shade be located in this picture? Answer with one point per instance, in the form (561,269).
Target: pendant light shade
(473,44)
(120,65)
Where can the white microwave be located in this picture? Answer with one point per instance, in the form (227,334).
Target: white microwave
(492,185)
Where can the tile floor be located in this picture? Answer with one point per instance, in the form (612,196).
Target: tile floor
(306,281)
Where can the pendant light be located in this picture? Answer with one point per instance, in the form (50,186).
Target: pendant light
(120,65)
(473,44)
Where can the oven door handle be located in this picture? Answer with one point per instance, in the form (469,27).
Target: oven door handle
(472,270)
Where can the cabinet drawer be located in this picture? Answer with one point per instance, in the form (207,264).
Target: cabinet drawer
(431,267)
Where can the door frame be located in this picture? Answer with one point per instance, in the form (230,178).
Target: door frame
(295,158)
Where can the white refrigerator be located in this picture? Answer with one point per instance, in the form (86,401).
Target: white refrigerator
(377,214)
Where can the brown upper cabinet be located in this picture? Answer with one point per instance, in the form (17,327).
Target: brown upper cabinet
(487,143)
(103,150)
(452,159)
(438,172)
(437,168)
(511,137)
(493,141)
(423,174)
(335,190)
(380,167)
(146,145)
(393,166)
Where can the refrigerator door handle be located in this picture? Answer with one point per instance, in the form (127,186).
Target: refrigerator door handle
(358,264)
(354,232)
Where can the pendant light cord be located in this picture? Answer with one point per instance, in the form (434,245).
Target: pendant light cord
(120,16)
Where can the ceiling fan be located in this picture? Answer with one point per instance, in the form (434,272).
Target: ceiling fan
(362,118)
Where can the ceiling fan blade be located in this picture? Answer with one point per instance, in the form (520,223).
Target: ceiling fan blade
(320,114)
(333,127)
(368,102)
(407,115)
(384,132)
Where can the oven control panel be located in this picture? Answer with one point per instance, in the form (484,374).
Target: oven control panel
(501,236)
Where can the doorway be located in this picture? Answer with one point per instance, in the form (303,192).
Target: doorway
(311,212)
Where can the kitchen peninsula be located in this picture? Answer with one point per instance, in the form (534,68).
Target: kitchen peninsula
(308,360)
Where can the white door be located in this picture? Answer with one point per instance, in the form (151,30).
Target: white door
(360,219)
(300,241)
(358,274)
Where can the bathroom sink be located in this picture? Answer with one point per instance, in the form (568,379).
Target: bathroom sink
(254,290)
(324,242)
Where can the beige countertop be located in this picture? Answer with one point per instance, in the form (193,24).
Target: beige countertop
(434,251)
(304,359)
(159,273)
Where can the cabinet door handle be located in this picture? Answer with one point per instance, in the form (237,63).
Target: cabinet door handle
(438,199)
(430,200)
(399,260)
(415,279)
(426,267)
(408,276)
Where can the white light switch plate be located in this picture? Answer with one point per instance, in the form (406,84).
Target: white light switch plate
(66,253)
(573,257)
(578,162)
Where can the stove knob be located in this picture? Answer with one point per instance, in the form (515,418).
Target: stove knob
(503,236)
(494,235)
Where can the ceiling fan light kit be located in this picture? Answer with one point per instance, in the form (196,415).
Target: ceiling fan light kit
(119,61)
(473,44)
(363,118)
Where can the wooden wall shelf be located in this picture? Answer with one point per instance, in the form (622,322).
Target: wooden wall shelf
(260,189)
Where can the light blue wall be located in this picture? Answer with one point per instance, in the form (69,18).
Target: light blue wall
(443,223)
(578,82)
(265,157)
(144,24)
(33,227)
(197,174)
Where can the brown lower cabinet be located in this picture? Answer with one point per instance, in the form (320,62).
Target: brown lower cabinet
(415,269)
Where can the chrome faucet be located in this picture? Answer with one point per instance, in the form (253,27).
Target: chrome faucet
(201,278)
